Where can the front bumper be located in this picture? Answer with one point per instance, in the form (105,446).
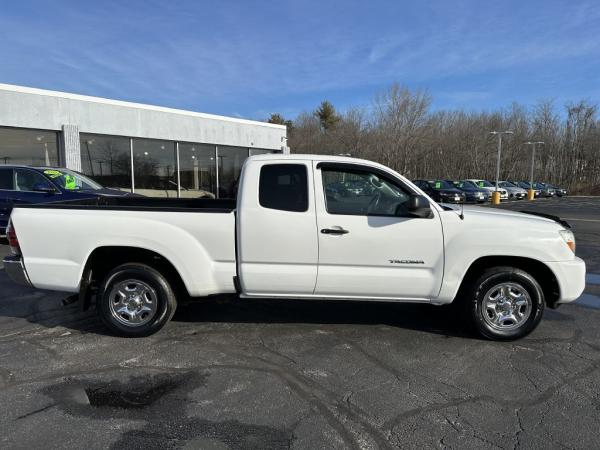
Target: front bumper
(476,198)
(571,278)
(15,269)
(452,199)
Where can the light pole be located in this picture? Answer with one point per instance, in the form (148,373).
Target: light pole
(531,192)
(496,194)
(100,162)
(87,145)
(45,144)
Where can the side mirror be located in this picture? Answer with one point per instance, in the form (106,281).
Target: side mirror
(418,206)
(44,187)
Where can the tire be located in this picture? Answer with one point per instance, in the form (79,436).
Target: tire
(135,300)
(497,293)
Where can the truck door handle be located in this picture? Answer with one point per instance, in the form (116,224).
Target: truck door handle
(334,231)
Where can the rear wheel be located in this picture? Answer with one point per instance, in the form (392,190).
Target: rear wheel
(505,303)
(135,300)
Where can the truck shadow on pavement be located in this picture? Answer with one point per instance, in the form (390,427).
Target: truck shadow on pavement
(40,310)
(419,317)
(24,310)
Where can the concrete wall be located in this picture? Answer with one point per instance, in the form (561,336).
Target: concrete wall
(36,108)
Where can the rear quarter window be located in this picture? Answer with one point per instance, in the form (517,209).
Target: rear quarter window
(284,187)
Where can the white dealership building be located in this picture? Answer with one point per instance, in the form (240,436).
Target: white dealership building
(147,149)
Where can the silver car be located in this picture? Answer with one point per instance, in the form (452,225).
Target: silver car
(514,192)
(526,185)
(486,185)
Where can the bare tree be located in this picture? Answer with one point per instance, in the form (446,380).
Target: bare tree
(401,131)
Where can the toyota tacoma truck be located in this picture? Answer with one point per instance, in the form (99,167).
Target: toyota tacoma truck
(296,231)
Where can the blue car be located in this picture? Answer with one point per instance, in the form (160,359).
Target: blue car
(23,184)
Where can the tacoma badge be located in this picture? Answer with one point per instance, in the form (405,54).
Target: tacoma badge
(406,261)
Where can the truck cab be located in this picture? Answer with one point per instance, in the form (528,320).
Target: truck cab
(323,244)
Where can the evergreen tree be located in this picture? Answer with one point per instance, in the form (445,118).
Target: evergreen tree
(327,115)
(278,119)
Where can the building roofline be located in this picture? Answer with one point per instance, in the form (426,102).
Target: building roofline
(106,101)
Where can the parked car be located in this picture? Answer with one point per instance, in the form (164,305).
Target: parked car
(348,188)
(23,184)
(559,191)
(542,188)
(526,185)
(514,192)
(547,190)
(473,194)
(356,187)
(441,191)
(484,184)
(285,238)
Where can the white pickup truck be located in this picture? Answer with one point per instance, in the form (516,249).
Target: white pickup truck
(303,227)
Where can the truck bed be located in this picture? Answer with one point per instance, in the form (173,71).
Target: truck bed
(197,236)
(142,204)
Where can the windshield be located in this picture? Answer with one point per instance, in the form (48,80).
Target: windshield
(507,184)
(469,185)
(71,181)
(484,183)
(465,185)
(440,184)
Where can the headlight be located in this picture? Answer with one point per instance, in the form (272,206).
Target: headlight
(569,238)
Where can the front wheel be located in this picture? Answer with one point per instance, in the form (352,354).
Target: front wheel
(135,300)
(505,303)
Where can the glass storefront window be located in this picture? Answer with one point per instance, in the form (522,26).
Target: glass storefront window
(197,170)
(154,168)
(230,161)
(107,160)
(28,147)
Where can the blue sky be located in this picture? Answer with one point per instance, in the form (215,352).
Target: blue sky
(250,58)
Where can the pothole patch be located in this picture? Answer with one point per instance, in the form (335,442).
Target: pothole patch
(159,401)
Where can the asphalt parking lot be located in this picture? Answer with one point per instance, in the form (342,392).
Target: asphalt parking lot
(286,374)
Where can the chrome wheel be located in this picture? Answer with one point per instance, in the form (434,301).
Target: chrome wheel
(133,303)
(506,306)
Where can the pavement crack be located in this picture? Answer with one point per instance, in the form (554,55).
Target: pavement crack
(519,431)
(544,396)
(276,352)
(524,373)
(343,417)
(37,411)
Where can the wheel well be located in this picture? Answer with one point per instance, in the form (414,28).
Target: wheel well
(103,259)
(537,269)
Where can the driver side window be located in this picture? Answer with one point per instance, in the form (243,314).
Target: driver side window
(362,193)
(26,179)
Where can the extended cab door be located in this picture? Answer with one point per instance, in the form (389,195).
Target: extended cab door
(276,228)
(369,245)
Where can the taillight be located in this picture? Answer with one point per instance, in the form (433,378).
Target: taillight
(13,242)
